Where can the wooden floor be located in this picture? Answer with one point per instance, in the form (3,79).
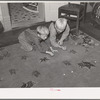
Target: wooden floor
(11,37)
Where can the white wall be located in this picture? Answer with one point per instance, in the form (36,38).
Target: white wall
(1,19)
(41,11)
(5,18)
(51,9)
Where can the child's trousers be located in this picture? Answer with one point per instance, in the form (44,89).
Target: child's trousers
(24,42)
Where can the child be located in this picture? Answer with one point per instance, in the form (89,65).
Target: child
(60,27)
(28,38)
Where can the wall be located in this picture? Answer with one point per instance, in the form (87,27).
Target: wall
(41,11)
(0,14)
(51,9)
(5,18)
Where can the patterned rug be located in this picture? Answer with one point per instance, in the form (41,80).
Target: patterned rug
(78,66)
(20,16)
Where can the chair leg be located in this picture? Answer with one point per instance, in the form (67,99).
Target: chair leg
(83,19)
(59,13)
(77,24)
(84,12)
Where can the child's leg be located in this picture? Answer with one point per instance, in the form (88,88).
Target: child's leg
(24,43)
(26,46)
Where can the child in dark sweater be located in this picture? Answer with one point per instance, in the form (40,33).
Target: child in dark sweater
(29,37)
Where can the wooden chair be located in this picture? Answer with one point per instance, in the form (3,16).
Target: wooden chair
(73,11)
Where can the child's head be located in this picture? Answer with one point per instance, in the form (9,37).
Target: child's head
(43,32)
(61,24)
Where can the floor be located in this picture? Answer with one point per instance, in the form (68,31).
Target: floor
(20,16)
(90,27)
(66,69)
(78,66)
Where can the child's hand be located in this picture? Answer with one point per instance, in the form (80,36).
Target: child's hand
(50,53)
(60,42)
(63,47)
(53,50)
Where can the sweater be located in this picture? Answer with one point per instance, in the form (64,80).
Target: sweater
(31,37)
(53,34)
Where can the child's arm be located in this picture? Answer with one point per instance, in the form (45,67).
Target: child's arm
(50,53)
(53,35)
(48,47)
(64,35)
(38,44)
(41,48)
(53,50)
